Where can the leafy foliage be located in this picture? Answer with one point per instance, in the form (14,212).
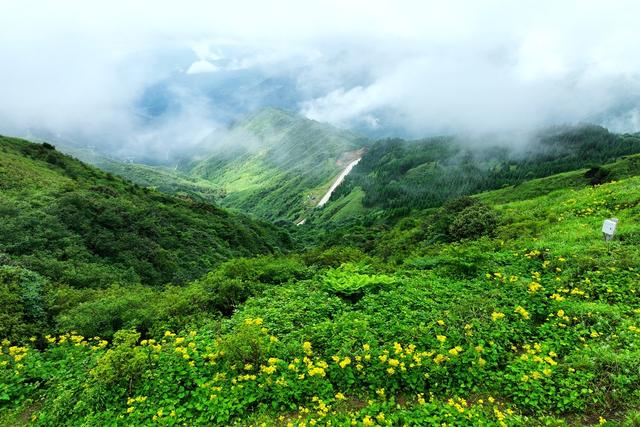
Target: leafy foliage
(77,225)
(505,308)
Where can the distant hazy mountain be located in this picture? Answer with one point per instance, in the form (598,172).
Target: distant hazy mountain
(276,164)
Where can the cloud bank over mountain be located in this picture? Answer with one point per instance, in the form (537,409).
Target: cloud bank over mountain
(152,77)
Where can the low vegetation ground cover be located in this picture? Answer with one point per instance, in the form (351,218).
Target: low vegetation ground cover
(527,318)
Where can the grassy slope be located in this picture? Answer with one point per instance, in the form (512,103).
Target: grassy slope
(539,325)
(272,163)
(76,224)
(623,168)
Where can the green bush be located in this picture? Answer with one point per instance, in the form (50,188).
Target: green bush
(23,309)
(473,222)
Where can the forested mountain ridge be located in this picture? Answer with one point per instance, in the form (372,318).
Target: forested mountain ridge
(398,175)
(76,224)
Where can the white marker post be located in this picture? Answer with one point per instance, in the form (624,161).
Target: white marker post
(609,228)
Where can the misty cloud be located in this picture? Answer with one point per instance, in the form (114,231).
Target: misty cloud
(148,78)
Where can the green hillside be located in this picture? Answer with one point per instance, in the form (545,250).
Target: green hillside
(275,164)
(159,178)
(396,175)
(507,308)
(78,225)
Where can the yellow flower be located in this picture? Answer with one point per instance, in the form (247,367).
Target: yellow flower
(130,409)
(366,347)
(391,371)
(380,417)
(268,369)
(521,311)
(317,371)
(560,313)
(340,396)
(394,362)
(366,421)
(441,338)
(380,392)
(496,315)
(534,287)
(439,359)
(307,347)
(441,322)
(346,361)
(454,351)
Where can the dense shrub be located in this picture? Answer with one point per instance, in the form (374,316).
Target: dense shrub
(23,307)
(598,175)
(473,222)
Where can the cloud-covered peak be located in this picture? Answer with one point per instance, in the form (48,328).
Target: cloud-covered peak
(132,80)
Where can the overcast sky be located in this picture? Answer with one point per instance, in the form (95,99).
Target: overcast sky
(79,68)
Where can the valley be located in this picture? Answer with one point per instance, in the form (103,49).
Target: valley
(319,214)
(502,306)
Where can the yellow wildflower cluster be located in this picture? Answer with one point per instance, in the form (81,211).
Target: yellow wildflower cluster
(306,346)
(522,312)
(496,315)
(257,321)
(152,344)
(345,362)
(317,369)
(534,287)
(455,351)
(268,369)
(533,254)
(458,403)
